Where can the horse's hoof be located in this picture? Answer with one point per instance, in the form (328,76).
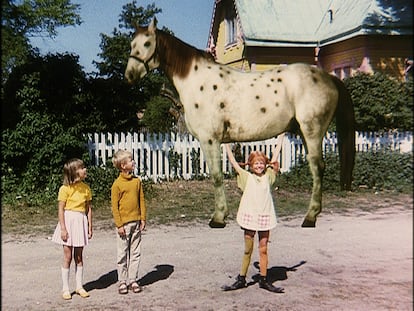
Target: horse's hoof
(308,223)
(215,224)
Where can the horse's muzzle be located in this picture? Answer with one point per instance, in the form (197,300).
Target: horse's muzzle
(129,76)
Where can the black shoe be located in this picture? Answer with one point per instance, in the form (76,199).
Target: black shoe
(263,283)
(240,283)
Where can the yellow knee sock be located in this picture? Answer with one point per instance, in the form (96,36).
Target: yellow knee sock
(248,250)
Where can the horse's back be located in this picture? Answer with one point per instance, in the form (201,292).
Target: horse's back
(246,106)
(311,90)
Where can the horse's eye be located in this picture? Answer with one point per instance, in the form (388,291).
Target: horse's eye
(147,44)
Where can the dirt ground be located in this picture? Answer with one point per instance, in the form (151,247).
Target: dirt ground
(356,260)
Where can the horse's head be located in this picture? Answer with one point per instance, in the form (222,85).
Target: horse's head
(142,57)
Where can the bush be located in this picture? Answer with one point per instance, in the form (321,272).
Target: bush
(384,170)
(37,144)
(380,170)
(33,155)
(380,102)
(100,180)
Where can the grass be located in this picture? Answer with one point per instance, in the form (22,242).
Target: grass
(185,202)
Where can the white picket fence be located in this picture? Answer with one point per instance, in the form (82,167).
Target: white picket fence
(151,151)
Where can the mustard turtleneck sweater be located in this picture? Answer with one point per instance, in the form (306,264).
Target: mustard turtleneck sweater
(127,200)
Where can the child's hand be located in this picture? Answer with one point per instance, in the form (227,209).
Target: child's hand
(276,166)
(90,233)
(121,232)
(142,225)
(64,235)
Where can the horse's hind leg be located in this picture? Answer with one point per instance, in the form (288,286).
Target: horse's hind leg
(212,154)
(316,166)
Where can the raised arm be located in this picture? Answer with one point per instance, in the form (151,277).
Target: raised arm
(279,143)
(274,161)
(232,159)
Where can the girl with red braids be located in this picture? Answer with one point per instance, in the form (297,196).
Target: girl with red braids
(256,210)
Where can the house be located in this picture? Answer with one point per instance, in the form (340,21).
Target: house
(341,36)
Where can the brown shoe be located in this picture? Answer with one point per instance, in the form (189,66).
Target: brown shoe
(123,289)
(134,286)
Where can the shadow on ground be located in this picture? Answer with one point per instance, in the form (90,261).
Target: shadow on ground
(161,272)
(275,273)
(103,281)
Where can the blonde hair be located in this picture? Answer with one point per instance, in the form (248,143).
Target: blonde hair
(120,157)
(70,171)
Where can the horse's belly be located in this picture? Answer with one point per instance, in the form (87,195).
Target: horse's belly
(254,130)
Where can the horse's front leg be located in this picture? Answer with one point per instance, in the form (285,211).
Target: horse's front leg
(316,166)
(212,153)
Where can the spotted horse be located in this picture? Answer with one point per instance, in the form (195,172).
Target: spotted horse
(223,105)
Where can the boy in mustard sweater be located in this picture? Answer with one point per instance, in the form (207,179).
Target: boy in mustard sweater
(129,212)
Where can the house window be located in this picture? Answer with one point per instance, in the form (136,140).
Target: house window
(231,27)
(346,72)
(342,72)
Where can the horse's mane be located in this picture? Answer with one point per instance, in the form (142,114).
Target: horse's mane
(176,56)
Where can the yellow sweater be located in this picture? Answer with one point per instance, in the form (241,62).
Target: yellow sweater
(127,200)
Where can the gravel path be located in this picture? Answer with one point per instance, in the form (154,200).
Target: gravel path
(358,261)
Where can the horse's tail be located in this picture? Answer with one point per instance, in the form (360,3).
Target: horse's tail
(345,128)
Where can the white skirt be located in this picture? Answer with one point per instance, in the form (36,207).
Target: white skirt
(77,227)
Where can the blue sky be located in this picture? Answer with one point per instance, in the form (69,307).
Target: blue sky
(189,20)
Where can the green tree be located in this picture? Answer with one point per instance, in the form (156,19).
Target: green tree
(34,151)
(59,79)
(143,97)
(115,47)
(381,103)
(27,18)
(113,105)
(154,116)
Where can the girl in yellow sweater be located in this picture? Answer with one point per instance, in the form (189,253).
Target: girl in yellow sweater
(129,213)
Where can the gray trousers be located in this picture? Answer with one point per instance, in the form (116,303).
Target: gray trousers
(129,253)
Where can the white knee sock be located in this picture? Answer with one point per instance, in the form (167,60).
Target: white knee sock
(79,276)
(65,278)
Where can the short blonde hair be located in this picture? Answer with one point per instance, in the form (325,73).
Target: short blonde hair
(70,171)
(120,157)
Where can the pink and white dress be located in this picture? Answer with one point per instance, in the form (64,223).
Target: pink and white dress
(256,210)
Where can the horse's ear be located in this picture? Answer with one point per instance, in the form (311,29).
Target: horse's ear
(153,25)
(135,25)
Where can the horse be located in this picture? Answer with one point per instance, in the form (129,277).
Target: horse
(223,105)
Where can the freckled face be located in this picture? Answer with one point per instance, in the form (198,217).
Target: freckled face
(258,167)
